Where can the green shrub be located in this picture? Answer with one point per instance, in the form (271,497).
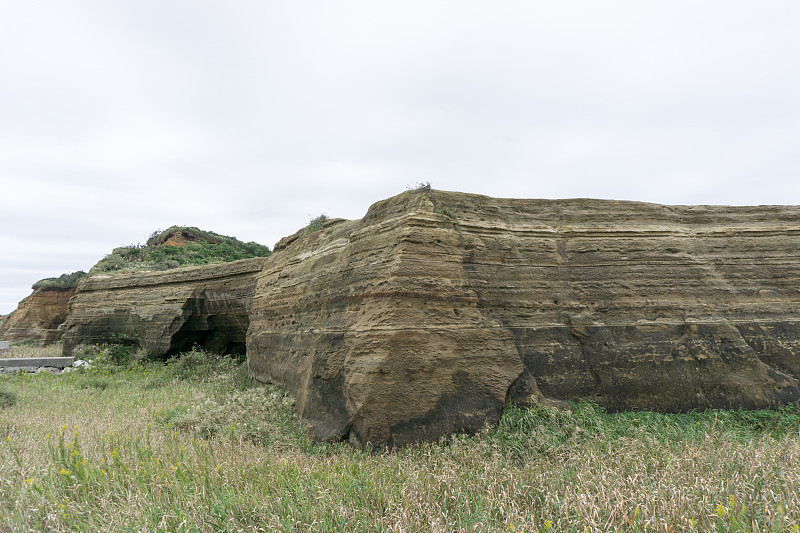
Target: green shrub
(316,224)
(112,357)
(200,248)
(446,211)
(26,342)
(109,263)
(94,381)
(198,364)
(118,354)
(64,281)
(87,352)
(7,398)
(262,415)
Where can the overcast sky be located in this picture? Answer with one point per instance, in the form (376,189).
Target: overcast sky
(249,118)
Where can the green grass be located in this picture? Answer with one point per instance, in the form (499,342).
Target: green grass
(7,398)
(31,348)
(190,446)
(316,224)
(64,281)
(199,248)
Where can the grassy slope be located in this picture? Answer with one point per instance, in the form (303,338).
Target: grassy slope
(189,447)
(31,349)
(64,281)
(201,247)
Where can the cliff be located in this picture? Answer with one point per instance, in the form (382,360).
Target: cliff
(38,316)
(166,312)
(436,309)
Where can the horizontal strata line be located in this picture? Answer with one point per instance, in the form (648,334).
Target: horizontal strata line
(397,272)
(659,231)
(627,262)
(84,290)
(540,298)
(296,331)
(679,229)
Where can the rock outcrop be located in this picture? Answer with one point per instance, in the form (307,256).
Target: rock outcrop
(166,312)
(437,309)
(38,316)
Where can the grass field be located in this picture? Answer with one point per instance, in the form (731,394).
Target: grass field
(190,446)
(31,349)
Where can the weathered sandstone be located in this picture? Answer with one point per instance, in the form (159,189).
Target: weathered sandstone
(436,309)
(38,316)
(166,312)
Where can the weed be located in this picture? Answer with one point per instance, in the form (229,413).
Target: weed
(116,354)
(175,247)
(26,342)
(94,381)
(88,352)
(7,398)
(64,281)
(187,445)
(316,224)
(446,211)
(198,364)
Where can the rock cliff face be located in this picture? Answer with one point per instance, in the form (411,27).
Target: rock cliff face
(166,312)
(38,316)
(436,309)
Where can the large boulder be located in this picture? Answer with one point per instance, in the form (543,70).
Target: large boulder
(38,316)
(166,312)
(437,309)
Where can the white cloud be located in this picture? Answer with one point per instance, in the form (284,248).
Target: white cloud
(246,118)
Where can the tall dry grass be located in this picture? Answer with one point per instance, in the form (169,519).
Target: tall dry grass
(31,349)
(190,447)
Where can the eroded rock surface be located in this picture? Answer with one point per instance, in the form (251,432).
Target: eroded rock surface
(166,312)
(38,316)
(436,309)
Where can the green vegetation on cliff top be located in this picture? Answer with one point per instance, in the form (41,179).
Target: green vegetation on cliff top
(64,281)
(176,247)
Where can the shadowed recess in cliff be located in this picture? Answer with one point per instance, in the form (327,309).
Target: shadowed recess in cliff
(166,312)
(214,321)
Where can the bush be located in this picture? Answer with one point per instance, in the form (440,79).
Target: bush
(200,364)
(261,415)
(113,356)
(118,354)
(92,381)
(64,281)
(109,263)
(7,398)
(89,352)
(199,248)
(316,224)
(32,342)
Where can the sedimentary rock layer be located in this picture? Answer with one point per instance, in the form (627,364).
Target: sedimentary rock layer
(436,309)
(166,312)
(38,316)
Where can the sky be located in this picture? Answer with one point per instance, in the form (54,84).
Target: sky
(248,118)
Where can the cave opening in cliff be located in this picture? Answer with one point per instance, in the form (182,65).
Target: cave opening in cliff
(212,340)
(222,333)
